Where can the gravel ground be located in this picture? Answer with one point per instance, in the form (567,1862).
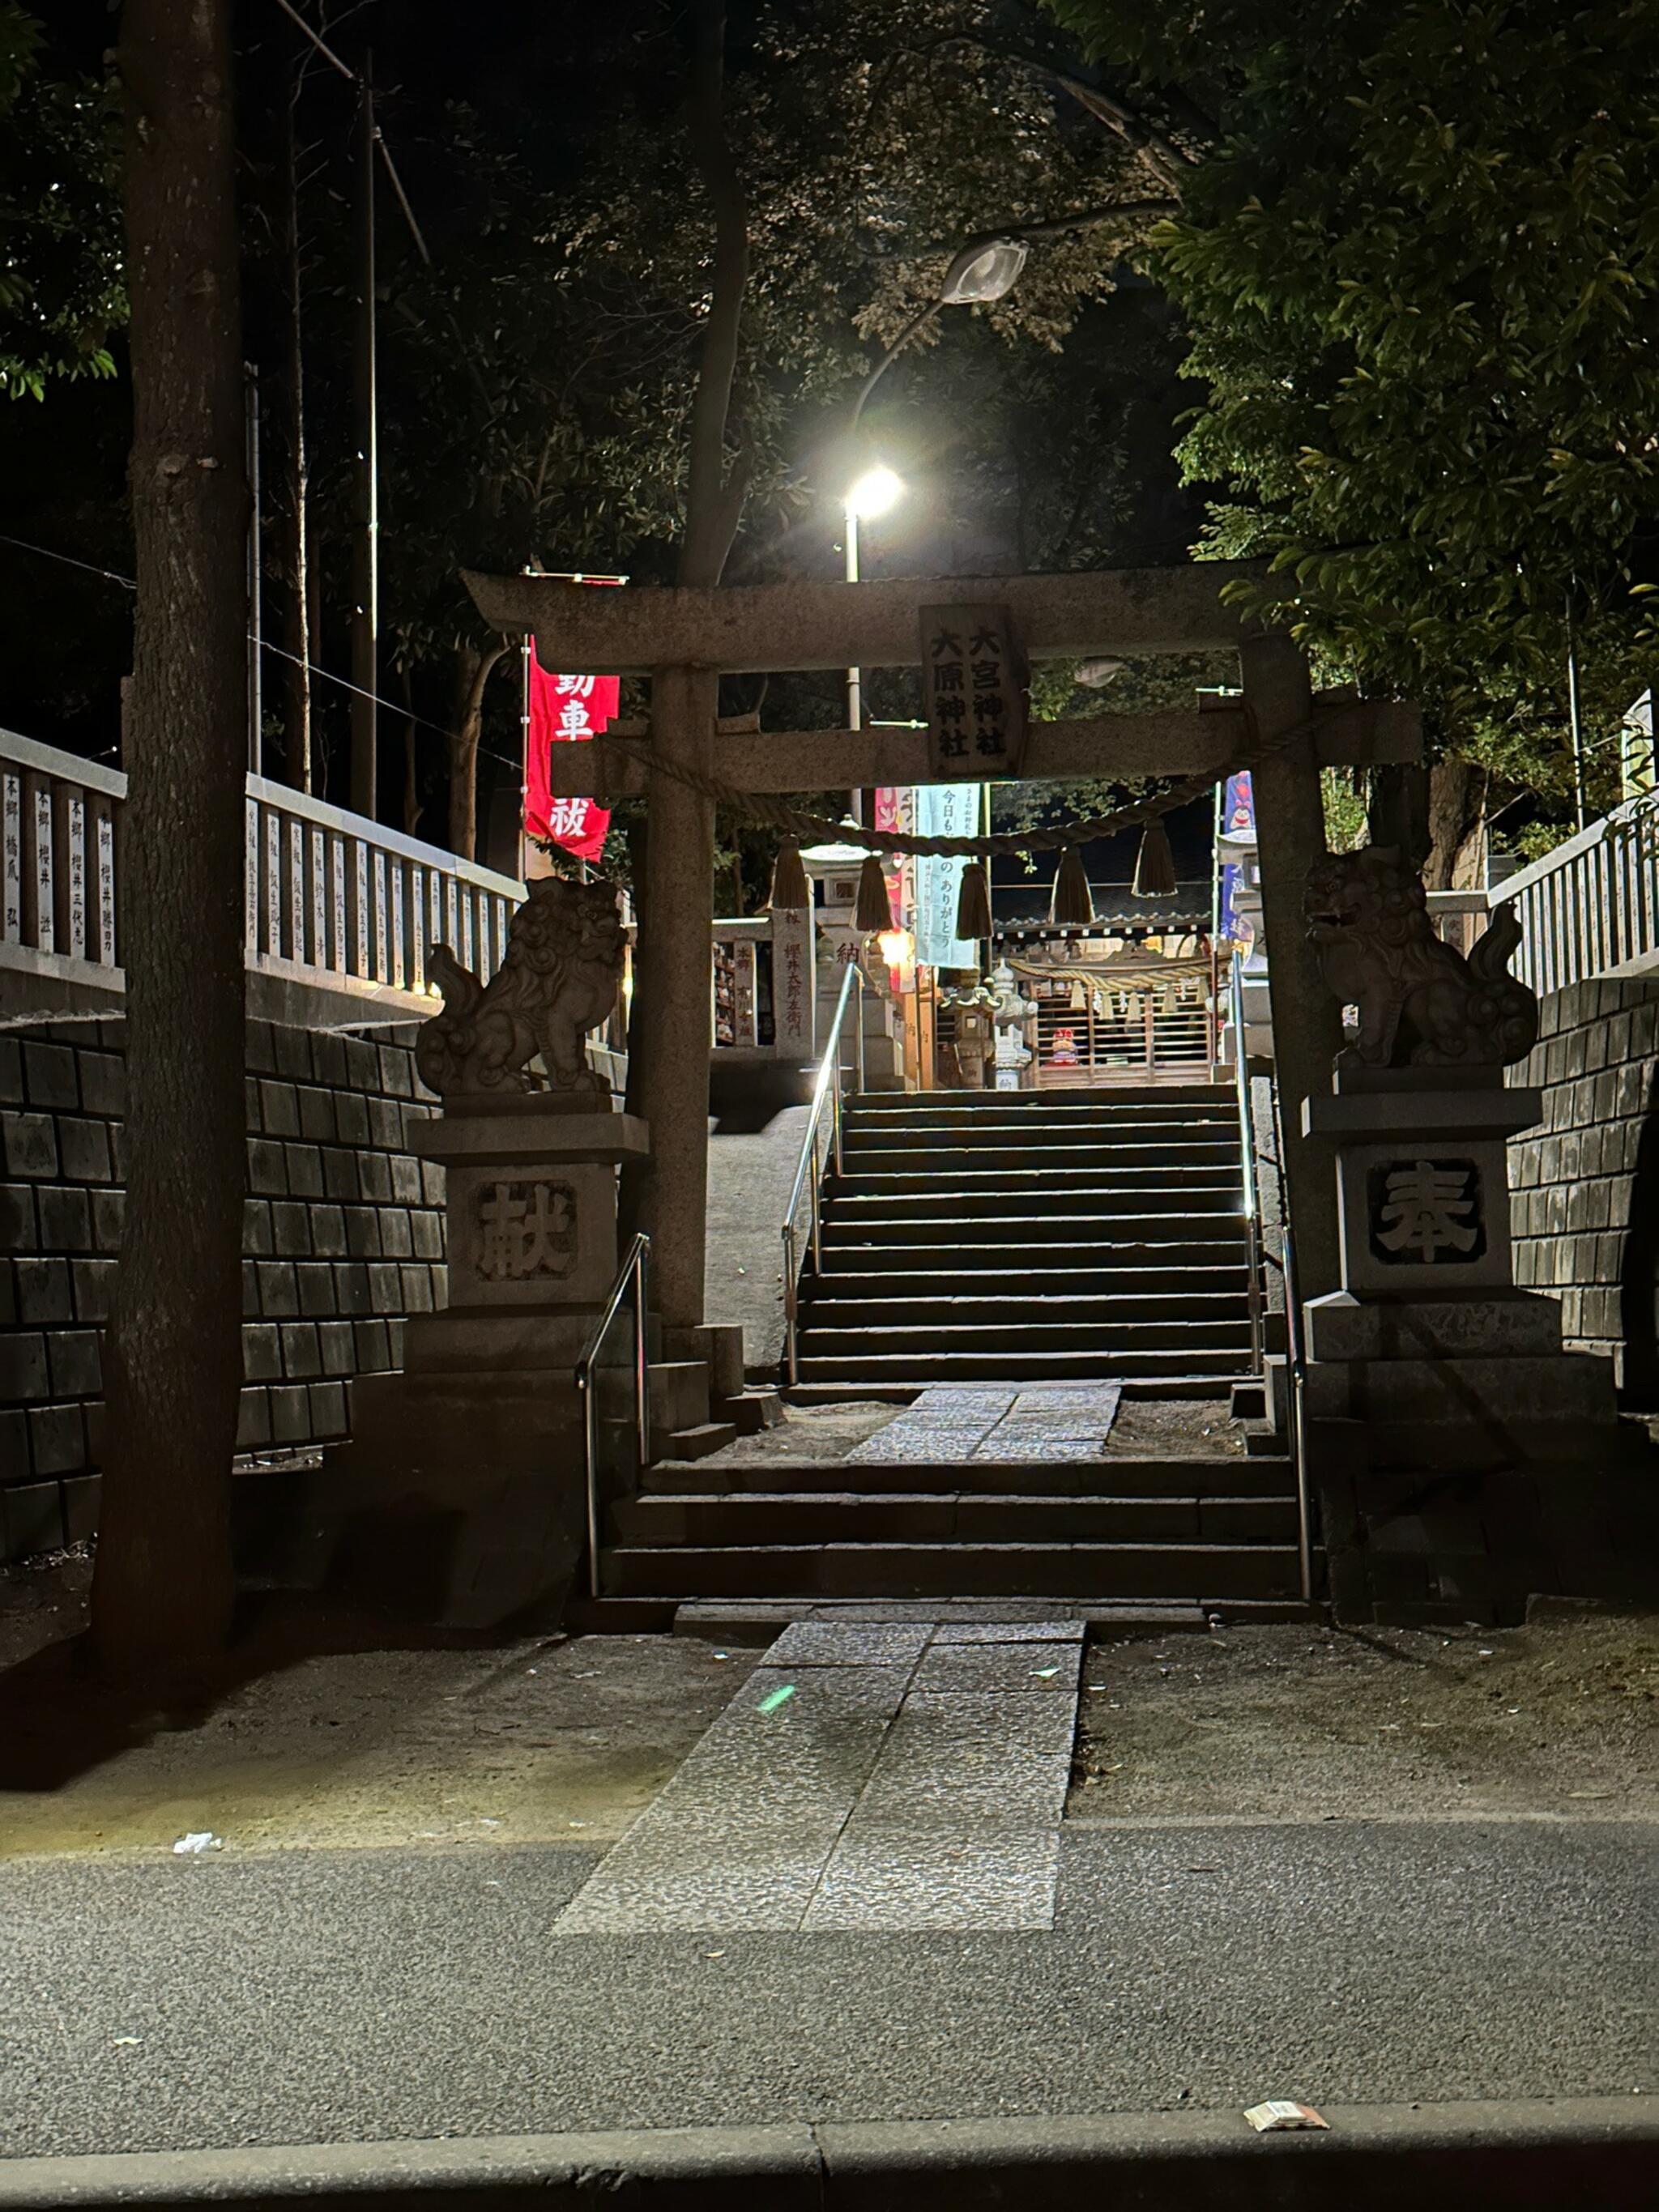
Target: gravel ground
(1308,1724)
(557,1741)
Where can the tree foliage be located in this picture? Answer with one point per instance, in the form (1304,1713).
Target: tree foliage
(1420,259)
(62,289)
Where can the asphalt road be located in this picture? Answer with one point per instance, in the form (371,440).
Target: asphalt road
(332,1996)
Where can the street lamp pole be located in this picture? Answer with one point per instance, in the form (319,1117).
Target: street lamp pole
(854,676)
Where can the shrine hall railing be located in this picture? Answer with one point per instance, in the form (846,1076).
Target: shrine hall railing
(335,905)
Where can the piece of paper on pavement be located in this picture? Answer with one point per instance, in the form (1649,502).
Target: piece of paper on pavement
(1283,2113)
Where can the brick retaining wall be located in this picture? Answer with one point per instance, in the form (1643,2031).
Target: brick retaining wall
(342,1236)
(1573,1179)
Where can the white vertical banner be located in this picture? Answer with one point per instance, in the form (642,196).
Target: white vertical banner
(944,809)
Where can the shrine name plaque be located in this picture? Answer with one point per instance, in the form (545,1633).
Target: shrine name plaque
(975,682)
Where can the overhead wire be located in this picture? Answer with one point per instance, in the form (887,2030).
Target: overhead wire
(394,707)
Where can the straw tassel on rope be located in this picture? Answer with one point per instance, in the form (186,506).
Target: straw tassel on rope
(973,903)
(1071,904)
(791,892)
(874,910)
(1155,874)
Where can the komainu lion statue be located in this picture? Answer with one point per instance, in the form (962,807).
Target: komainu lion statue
(558,981)
(1421,1004)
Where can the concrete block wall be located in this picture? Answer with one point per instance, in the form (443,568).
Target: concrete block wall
(342,1237)
(1572,1181)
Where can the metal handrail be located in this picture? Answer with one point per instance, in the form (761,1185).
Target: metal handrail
(635,1269)
(1296,1359)
(1246,1151)
(807,1167)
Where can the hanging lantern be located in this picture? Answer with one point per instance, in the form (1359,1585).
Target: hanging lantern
(1071,905)
(1155,875)
(791,891)
(874,911)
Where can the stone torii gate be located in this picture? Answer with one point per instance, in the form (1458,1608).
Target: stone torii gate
(686,639)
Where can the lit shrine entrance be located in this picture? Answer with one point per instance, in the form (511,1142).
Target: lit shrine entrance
(687,639)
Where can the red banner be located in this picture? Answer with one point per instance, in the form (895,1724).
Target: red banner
(564,710)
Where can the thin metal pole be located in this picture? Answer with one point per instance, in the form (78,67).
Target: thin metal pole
(591,1423)
(1246,1159)
(854,676)
(642,1351)
(817,1238)
(1293,1335)
(255,583)
(859,1028)
(834,1115)
(365,537)
(1575,722)
(789,1304)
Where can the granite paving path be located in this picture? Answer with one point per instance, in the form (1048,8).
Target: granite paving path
(891,1778)
(985,1421)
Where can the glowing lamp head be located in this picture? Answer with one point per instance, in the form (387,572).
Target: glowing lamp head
(897,946)
(873,493)
(982,273)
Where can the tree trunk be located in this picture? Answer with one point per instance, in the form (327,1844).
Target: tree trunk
(1457,827)
(671,1033)
(297,641)
(1397,809)
(472,672)
(163,1585)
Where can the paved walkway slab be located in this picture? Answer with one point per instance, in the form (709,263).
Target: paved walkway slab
(1016,1422)
(869,1775)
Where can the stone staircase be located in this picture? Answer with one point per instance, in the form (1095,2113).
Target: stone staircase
(1010,1239)
(1031,1236)
(1220,1533)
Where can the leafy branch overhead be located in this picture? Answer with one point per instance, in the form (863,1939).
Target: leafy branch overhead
(62,289)
(1420,266)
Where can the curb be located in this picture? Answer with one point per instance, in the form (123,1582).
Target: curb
(1599,2153)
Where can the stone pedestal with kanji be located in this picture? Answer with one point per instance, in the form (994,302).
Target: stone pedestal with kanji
(1461,1459)
(462,1496)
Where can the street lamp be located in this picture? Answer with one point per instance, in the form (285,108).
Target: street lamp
(982,271)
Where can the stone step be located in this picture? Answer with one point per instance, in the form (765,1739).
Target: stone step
(1185,1339)
(1095,1268)
(696,1442)
(1105,1477)
(992,1148)
(907,1304)
(1201,1572)
(1060,1220)
(922,1371)
(1034,1195)
(1142,1099)
(751,1518)
(1069,1171)
(752,1622)
(904,1389)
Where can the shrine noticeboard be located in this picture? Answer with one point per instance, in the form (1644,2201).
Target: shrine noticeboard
(974,682)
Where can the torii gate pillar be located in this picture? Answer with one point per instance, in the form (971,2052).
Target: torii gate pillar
(674,1037)
(1307,1021)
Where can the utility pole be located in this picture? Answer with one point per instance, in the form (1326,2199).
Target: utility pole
(365,543)
(256,712)
(300,634)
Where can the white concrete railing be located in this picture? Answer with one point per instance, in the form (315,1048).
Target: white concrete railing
(335,903)
(1589,910)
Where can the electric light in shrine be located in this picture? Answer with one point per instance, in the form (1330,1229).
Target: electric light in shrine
(983,272)
(874,493)
(897,946)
